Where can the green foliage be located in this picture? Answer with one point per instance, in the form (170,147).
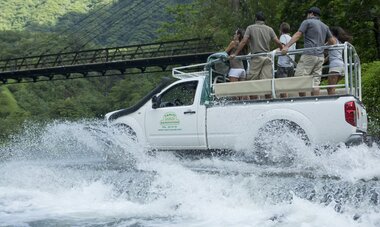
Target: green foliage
(72,99)
(129,91)
(219,19)
(19,14)
(355,16)
(11,115)
(371,94)
(38,27)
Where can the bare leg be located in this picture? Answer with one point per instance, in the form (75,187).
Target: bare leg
(315,92)
(233,79)
(243,97)
(302,94)
(332,80)
(283,95)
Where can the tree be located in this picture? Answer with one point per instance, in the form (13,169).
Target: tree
(371,94)
(217,19)
(130,90)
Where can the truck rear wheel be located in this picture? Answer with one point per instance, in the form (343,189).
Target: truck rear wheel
(278,141)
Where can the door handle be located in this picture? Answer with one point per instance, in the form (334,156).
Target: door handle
(189,112)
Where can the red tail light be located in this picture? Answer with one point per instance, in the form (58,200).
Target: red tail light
(350,112)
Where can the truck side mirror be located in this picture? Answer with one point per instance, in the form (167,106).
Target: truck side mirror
(155,102)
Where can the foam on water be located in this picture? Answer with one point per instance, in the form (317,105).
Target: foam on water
(85,174)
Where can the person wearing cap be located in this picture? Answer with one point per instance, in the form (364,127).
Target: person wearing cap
(315,33)
(259,36)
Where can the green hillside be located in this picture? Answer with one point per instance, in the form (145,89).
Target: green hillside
(20,14)
(39,27)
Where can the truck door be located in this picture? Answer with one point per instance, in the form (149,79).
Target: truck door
(175,122)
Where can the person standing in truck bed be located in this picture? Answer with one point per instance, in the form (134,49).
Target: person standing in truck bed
(285,63)
(237,71)
(285,66)
(259,36)
(316,33)
(335,57)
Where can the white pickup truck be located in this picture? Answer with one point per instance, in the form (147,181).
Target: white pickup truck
(203,111)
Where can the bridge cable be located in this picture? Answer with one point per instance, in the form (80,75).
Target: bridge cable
(94,26)
(100,27)
(70,28)
(145,18)
(139,15)
(110,23)
(90,22)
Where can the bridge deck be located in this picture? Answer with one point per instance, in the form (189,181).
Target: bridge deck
(107,60)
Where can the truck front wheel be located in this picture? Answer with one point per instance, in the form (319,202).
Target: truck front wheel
(124,129)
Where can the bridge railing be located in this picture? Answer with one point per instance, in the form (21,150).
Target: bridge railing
(153,50)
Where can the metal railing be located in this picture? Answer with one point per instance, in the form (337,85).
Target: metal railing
(98,60)
(351,83)
(351,62)
(184,72)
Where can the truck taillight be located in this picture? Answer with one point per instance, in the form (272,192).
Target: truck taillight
(350,112)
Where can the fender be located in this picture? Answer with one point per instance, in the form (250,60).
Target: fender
(136,127)
(290,115)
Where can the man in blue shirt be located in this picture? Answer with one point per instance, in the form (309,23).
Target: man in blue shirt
(315,33)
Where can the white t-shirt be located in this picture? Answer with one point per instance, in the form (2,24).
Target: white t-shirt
(284,61)
(336,56)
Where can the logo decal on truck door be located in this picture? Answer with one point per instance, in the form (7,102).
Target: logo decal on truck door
(169,122)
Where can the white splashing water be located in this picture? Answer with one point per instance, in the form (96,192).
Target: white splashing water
(85,174)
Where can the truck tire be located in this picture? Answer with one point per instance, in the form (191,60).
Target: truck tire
(127,130)
(276,142)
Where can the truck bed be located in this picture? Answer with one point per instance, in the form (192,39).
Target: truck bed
(322,118)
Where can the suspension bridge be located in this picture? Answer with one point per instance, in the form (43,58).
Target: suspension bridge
(144,58)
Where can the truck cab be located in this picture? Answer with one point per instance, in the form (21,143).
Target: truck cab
(176,116)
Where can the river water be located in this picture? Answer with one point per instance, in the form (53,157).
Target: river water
(85,174)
